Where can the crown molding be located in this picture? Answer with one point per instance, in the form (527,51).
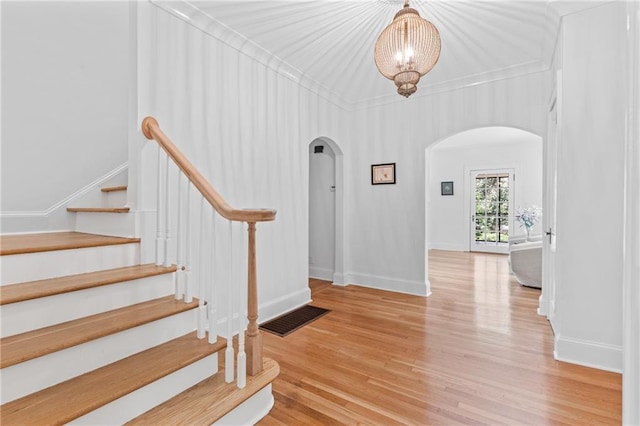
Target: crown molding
(196,17)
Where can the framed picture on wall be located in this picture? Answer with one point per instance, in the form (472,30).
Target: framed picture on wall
(446,188)
(383,174)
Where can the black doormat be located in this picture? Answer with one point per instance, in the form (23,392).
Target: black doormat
(291,321)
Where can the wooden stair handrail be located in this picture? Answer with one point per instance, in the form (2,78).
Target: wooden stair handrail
(151,130)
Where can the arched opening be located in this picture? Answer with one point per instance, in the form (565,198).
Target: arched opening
(482,151)
(453,165)
(326,211)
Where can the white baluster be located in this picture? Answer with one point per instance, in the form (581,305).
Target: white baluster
(158,209)
(188,291)
(179,275)
(167,215)
(201,275)
(242,319)
(212,301)
(228,355)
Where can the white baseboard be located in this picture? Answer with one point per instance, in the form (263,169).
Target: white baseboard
(589,354)
(320,273)
(284,304)
(340,279)
(448,246)
(543,306)
(391,284)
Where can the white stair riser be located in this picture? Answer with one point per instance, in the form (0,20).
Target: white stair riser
(97,198)
(42,312)
(130,406)
(19,268)
(114,199)
(113,224)
(39,373)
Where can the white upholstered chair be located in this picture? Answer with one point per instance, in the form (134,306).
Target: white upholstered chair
(525,261)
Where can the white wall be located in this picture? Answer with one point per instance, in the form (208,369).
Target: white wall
(477,149)
(392,217)
(247,128)
(64,102)
(591,188)
(322,205)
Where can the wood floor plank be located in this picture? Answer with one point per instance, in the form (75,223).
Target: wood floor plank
(474,352)
(69,400)
(42,288)
(33,243)
(33,344)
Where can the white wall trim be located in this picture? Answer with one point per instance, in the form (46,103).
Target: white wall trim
(543,306)
(284,304)
(631,233)
(340,279)
(320,273)
(417,288)
(63,203)
(590,354)
(447,246)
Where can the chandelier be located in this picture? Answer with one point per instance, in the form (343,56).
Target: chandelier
(407,49)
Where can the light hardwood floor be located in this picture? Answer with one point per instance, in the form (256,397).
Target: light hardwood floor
(475,352)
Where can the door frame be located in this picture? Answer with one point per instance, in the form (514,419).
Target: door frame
(547,299)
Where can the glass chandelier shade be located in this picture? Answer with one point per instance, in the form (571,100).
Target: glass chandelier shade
(407,49)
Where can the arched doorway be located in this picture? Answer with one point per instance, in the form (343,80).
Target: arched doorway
(326,211)
(457,158)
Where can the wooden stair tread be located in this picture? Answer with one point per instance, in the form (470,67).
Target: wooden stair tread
(33,243)
(114,188)
(36,343)
(42,288)
(209,400)
(61,403)
(99,209)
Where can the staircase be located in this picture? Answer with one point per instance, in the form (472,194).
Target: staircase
(91,336)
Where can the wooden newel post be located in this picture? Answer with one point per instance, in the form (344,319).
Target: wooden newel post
(253,337)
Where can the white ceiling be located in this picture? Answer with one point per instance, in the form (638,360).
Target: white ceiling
(328,45)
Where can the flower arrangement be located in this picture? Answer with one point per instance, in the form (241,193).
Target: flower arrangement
(528,216)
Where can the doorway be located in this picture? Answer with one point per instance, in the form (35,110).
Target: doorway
(326,211)
(491,210)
